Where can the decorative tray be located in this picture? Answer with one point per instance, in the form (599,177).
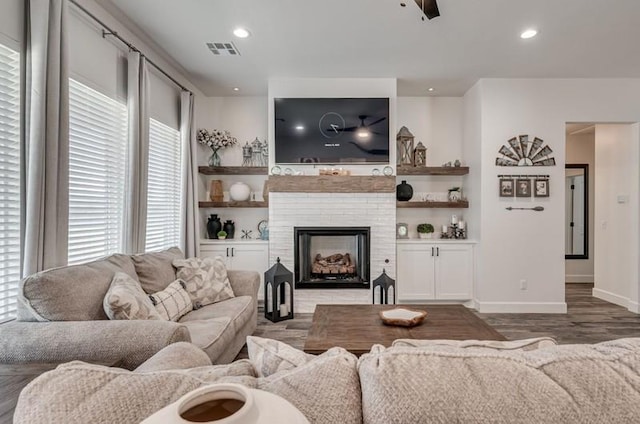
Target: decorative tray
(403,317)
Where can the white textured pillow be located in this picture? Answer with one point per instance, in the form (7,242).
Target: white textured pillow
(206,279)
(125,299)
(326,388)
(270,356)
(172,302)
(523,345)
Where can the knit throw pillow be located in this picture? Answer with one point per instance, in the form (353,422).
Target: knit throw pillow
(125,299)
(270,356)
(172,302)
(205,278)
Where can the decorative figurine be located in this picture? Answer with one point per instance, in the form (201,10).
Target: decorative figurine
(246,234)
(265,153)
(256,152)
(246,154)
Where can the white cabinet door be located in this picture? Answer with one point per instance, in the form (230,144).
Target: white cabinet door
(244,256)
(415,272)
(250,257)
(213,250)
(454,271)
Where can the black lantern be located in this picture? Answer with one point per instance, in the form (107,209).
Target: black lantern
(385,282)
(277,306)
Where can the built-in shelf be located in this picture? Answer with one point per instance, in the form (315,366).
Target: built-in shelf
(247,204)
(433,170)
(460,204)
(233,170)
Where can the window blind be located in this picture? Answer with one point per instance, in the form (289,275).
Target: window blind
(9,181)
(97,172)
(164,187)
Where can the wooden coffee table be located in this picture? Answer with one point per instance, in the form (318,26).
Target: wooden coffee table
(358,327)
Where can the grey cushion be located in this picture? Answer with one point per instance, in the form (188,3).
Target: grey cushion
(70,293)
(83,393)
(155,270)
(211,335)
(448,384)
(238,309)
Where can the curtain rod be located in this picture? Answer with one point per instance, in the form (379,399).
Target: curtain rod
(108,31)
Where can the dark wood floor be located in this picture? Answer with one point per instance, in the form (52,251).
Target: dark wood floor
(588,320)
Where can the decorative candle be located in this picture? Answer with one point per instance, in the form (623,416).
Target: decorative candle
(284,310)
(461,225)
(454,219)
(444,229)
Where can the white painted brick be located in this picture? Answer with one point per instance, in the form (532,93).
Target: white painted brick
(375,210)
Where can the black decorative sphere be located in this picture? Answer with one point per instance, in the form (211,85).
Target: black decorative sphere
(404,192)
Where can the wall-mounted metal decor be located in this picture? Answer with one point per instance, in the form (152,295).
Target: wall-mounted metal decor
(520,151)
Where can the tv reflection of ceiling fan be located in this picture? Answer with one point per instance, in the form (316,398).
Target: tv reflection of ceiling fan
(363,129)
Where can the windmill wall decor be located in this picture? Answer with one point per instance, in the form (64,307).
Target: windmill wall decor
(520,151)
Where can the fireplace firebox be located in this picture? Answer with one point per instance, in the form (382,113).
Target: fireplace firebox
(332,257)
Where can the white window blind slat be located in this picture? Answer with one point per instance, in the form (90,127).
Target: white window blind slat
(9,181)
(97,161)
(164,187)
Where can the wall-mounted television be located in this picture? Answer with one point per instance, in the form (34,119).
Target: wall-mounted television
(331,130)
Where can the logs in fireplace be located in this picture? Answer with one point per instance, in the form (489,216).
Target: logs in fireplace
(337,265)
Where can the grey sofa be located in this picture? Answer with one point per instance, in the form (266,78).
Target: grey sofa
(436,382)
(61,317)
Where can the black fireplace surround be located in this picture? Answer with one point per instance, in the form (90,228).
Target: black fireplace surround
(316,247)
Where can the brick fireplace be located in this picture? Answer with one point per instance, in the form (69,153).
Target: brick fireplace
(370,203)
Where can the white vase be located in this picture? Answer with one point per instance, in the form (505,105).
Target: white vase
(259,407)
(425,235)
(239,192)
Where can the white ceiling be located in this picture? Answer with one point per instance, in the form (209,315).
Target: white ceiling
(471,39)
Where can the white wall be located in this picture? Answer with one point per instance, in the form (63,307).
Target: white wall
(616,202)
(11,22)
(527,245)
(580,148)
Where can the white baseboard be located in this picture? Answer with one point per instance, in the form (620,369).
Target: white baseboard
(634,307)
(613,298)
(522,307)
(579,278)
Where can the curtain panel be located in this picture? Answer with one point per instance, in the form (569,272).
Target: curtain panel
(135,224)
(190,217)
(45,201)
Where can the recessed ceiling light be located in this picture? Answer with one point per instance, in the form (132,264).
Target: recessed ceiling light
(430,89)
(236,89)
(299,127)
(530,33)
(241,32)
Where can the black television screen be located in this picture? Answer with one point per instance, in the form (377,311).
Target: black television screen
(331,131)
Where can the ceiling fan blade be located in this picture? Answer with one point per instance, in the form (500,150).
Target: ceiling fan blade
(429,8)
(375,122)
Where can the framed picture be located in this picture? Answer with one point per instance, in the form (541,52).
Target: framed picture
(541,188)
(506,187)
(523,187)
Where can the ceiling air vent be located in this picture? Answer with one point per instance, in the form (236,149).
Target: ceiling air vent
(223,49)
